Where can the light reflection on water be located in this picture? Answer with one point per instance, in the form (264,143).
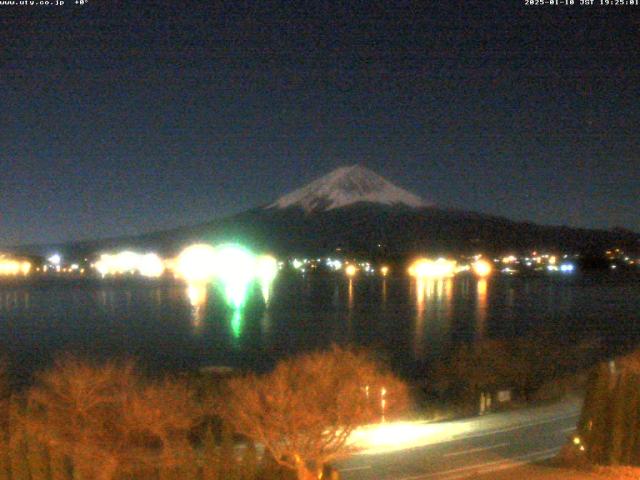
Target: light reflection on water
(384,291)
(197,295)
(419,290)
(481,308)
(433,300)
(350,298)
(265,325)
(411,320)
(236,323)
(15,300)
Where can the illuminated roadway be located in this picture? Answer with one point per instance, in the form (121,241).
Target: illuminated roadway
(467,448)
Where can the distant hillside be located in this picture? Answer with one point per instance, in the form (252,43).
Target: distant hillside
(358,211)
(368,229)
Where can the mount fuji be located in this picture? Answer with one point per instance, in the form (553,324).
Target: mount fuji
(347,186)
(356,210)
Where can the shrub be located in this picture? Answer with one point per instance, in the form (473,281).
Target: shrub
(304,411)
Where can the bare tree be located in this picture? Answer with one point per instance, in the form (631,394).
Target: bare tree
(107,419)
(159,419)
(304,411)
(75,408)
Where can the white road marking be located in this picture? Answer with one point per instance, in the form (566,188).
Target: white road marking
(506,464)
(477,449)
(567,430)
(481,468)
(514,427)
(354,469)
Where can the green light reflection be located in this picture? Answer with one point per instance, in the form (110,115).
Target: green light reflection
(236,267)
(236,323)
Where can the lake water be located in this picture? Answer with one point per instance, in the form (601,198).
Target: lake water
(412,324)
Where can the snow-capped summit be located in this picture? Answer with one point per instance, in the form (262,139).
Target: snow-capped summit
(346,186)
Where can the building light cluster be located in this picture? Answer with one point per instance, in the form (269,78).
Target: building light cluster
(537,262)
(429,268)
(55,264)
(441,267)
(10,266)
(235,266)
(128,262)
(619,258)
(331,264)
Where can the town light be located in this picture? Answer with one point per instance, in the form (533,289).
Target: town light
(197,263)
(567,268)
(10,266)
(351,270)
(425,267)
(482,268)
(150,265)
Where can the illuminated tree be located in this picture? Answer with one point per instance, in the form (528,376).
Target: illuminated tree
(158,420)
(4,399)
(304,411)
(76,408)
(609,427)
(108,420)
(4,423)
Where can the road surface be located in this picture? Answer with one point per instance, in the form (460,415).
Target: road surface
(464,448)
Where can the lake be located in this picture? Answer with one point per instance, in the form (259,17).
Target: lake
(167,327)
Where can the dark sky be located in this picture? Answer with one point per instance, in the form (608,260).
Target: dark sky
(124,117)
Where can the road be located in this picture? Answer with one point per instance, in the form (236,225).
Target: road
(468,448)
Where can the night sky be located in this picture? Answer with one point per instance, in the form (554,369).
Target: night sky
(126,117)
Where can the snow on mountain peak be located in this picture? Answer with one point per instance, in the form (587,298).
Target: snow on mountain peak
(345,186)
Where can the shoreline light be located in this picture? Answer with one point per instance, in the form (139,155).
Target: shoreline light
(351,270)
(147,265)
(197,263)
(150,265)
(482,268)
(12,266)
(428,268)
